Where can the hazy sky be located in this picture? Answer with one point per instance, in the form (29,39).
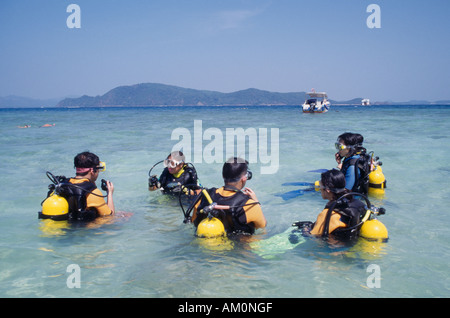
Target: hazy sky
(227,45)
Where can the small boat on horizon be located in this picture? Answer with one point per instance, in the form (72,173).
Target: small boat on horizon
(316,103)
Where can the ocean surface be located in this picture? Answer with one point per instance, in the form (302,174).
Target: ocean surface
(147,251)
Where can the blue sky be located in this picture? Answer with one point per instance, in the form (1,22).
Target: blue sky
(274,45)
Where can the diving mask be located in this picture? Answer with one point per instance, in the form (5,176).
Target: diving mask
(319,186)
(340,146)
(248,174)
(101,166)
(170,163)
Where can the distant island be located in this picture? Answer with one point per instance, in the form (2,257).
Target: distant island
(154,94)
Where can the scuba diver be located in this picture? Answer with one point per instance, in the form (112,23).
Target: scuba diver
(337,215)
(341,222)
(235,206)
(78,198)
(358,165)
(176,176)
(349,147)
(343,215)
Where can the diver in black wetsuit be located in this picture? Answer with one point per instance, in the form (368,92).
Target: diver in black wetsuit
(175,175)
(341,215)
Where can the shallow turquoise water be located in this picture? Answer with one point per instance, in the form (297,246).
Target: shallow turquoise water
(153,254)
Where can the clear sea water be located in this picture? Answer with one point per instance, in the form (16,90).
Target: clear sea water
(153,254)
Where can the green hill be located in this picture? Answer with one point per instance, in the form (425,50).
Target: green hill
(150,94)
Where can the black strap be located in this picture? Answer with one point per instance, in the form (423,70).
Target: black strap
(326,227)
(378,185)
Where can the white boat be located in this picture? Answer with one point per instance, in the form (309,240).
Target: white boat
(316,103)
(365,102)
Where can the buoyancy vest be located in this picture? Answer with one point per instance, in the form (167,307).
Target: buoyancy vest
(75,194)
(351,212)
(187,177)
(234,219)
(361,164)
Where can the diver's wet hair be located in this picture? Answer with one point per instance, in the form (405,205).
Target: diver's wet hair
(351,139)
(86,160)
(334,180)
(354,141)
(233,169)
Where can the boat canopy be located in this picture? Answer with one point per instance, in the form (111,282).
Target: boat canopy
(318,95)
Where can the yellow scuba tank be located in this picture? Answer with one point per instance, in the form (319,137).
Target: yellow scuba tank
(374,230)
(317,185)
(210,227)
(377,179)
(55,206)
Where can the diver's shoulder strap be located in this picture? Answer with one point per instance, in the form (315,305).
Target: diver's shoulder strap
(76,197)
